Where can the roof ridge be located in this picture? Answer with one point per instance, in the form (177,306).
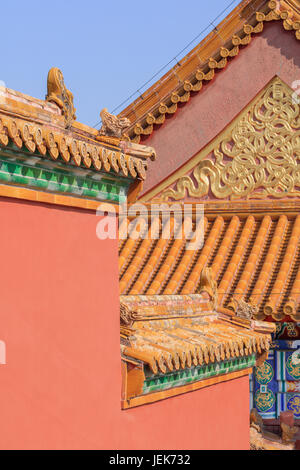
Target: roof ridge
(177,85)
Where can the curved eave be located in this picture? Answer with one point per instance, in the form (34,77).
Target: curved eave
(198,67)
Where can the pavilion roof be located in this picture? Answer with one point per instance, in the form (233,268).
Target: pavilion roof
(253,257)
(200,65)
(39,126)
(45,134)
(182,344)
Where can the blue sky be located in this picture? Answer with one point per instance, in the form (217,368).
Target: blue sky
(105,49)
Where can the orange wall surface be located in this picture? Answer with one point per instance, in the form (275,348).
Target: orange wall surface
(61,385)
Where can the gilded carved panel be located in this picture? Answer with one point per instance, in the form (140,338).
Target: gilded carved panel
(256,157)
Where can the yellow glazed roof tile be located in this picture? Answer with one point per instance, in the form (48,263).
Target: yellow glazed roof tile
(254,258)
(174,332)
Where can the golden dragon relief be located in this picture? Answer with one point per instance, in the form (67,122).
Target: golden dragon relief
(258,158)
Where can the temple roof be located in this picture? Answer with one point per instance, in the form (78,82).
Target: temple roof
(253,258)
(200,65)
(43,146)
(39,126)
(183,343)
(168,339)
(256,156)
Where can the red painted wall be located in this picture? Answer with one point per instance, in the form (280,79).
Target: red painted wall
(212,418)
(59,318)
(273,52)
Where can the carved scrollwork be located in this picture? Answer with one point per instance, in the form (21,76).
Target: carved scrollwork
(208,284)
(244,309)
(112,125)
(258,158)
(58,93)
(128,316)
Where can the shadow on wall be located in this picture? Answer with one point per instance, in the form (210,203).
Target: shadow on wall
(282,41)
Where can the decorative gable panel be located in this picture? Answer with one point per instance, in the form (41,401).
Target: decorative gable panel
(255,157)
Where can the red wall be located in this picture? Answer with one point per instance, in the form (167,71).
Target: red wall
(59,318)
(212,418)
(273,52)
